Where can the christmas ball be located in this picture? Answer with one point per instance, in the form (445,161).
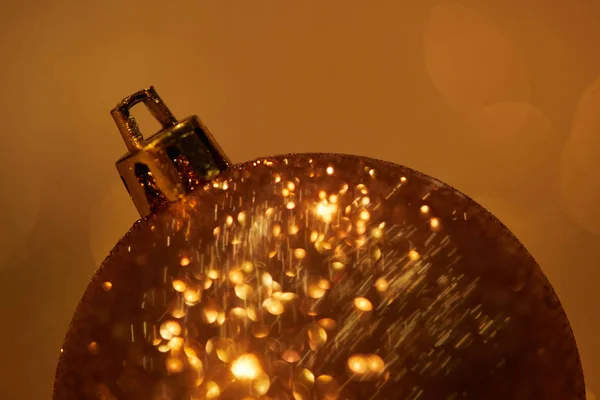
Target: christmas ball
(319,276)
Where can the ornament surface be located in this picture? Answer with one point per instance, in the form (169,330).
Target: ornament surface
(320,276)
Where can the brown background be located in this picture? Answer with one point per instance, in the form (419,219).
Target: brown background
(500,98)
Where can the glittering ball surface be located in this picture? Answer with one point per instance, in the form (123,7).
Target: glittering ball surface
(320,277)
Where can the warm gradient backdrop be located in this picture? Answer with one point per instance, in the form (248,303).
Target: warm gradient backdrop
(500,98)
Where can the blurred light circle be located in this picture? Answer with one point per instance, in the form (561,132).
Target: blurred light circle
(585,128)
(470,60)
(512,149)
(20,202)
(580,189)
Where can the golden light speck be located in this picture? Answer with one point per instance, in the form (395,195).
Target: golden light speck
(291,186)
(306,377)
(168,329)
(93,348)
(261,383)
(246,367)
(314,235)
(243,291)
(434,224)
(337,265)
(333,199)
(330,170)
(247,267)
(360,241)
(377,233)
(365,201)
(225,348)
(242,217)
(425,209)
(327,388)
(213,391)
(238,312)
(328,323)
(326,210)
(294,229)
(236,276)
(373,173)
(277,177)
(229,220)
(106,286)
(178,312)
(260,331)
(176,343)
(174,365)
(364,215)
(251,313)
(198,371)
(179,285)
(286,296)
(361,226)
(358,364)
(375,363)
(216,231)
(381,285)
(413,255)
(191,296)
(185,261)
(212,274)
(210,313)
(299,253)
(324,284)
(164,348)
(317,336)
(285,192)
(291,356)
(290,205)
(362,188)
(403,179)
(276,230)
(315,291)
(273,306)
(363,304)
(207,283)
(267,279)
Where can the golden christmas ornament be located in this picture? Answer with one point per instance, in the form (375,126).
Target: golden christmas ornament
(308,276)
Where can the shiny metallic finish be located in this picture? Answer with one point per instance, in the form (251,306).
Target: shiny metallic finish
(166,166)
(320,277)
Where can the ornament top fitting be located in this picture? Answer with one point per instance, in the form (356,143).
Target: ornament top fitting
(167,165)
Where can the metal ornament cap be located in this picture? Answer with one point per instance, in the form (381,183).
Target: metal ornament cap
(166,166)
